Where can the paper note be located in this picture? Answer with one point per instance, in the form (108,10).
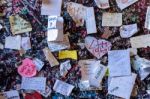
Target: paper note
(52,22)
(119,63)
(1,46)
(51,7)
(103,4)
(127,31)
(25,43)
(77,12)
(47,92)
(13,94)
(90,20)
(68,54)
(19,25)
(34,83)
(49,56)
(112,19)
(122,4)
(122,86)
(13,42)
(97,47)
(27,68)
(133,51)
(140,41)
(38,63)
(57,45)
(63,88)
(64,68)
(147,21)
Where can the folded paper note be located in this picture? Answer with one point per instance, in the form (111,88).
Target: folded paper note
(103,4)
(68,54)
(64,68)
(25,43)
(19,25)
(147,21)
(112,19)
(38,63)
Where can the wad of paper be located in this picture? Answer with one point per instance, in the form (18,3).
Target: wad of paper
(147,21)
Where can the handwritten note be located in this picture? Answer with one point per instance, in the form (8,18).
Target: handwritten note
(47,92)
(127,31)
(90,20)
(13,94)
(13,42)
(147,21)
(112,19)
(140,41)
(103,4)
(19,25)
(49,56)
(122,86)
(119,63)
(122,4)
(25,43)
(27,68)
(77,12)
(64,68)
(38,63)
(68,54)
(52,22)
(97,47)
(34,83)
(51,7)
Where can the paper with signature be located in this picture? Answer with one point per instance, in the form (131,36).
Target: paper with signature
(119,63)
(147,21)
(122,86)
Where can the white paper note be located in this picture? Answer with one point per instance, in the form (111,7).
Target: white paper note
(38,63)
(13,42)
(122,4)
(140,41)
(103,4)
(64,67)
(147,21)
(47,92)
(63,88)
(122,86)
(13,94)
(90,20)
(127,31)
(119,63)
(51,7)
(34,83)
(112,19)
(25,43)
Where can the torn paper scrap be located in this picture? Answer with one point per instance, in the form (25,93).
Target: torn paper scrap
(77,12)
(34,83)
(122,4)
(64,68)
(13,94)
(47,91)
(13,42)
(97,47)
(103,4)
(19,25)
(119,63)
(122,86)
(63,88)
(72,54)
(112,19)
(38,63)
(147,21)
(127,31)
(140,41)
(50,57)
(90,20)
(25,43)
(51,7)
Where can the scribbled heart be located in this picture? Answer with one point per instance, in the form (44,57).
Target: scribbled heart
(97,47)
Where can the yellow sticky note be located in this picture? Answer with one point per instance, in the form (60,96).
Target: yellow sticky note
(68,54)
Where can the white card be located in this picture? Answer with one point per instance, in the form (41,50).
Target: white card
(51,7)
(127,31)
(13,94)
(122,4)
(64,67)
(38,63)
(25,43)
(147,21)
(63,88)
(103,4)
(34,83)
(119,63)
(90,20)
(112,19)
(13,42)
(140,41)
(122,86)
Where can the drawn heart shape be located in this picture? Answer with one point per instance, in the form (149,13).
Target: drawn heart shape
(97,47)
(27,68)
